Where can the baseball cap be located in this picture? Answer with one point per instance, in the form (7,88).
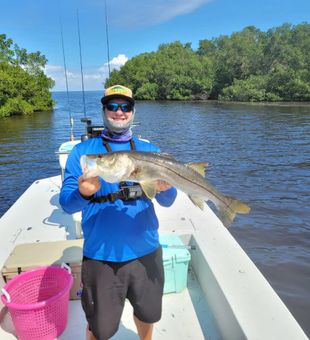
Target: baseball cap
(117,91)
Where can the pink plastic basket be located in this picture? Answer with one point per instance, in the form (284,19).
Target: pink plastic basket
(38,302)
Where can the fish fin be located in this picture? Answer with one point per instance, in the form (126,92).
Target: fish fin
(198,167)
(199,202)
(228,211)
(149,189)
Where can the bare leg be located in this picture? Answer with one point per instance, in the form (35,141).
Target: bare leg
(145,330)
(89,334)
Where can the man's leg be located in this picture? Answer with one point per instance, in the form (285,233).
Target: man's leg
(145,330)
(103,297)
(89,334)
(146,291)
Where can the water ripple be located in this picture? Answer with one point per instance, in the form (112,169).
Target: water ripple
(259,154)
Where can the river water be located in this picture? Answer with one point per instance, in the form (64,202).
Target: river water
(257,153)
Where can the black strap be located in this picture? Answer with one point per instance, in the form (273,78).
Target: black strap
(109,149)
(126,193)
(132,144)
(106,198)
(106,145)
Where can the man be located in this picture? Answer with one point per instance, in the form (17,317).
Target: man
(122,255)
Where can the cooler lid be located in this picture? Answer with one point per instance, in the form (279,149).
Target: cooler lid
(31,255)
(179,254)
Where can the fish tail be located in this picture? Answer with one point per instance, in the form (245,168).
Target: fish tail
(229,209)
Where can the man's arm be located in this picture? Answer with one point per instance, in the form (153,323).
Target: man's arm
(75,191)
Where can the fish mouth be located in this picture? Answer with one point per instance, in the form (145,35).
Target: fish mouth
(88,163)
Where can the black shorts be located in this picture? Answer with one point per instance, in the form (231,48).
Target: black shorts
(106,285)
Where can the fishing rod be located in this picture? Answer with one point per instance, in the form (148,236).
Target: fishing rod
(107,36)
(66,77)
(85,119)
(91,130)
(81,62)
(94,130)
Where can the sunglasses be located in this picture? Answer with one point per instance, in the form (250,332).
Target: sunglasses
(114,107)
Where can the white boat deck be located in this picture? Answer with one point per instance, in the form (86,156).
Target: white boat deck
(226,296)
(185,316)
(180,318)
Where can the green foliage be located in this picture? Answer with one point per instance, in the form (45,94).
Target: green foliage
(252,89)
(236,57)
(147,91)
(15,106)
(250,65)
(24,88)
(6,53)
(174,72)
(256,66)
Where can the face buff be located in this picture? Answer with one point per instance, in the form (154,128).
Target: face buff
(117,131)
(117,137)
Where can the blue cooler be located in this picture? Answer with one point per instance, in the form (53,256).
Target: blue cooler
(175,263)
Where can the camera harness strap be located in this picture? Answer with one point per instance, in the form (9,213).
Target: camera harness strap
(126,192)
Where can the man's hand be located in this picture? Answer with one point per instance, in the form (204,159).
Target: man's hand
(162,186)
(87,187)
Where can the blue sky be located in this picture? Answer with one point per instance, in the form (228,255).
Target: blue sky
(135,26)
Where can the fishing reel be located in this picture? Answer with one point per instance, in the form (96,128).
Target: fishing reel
(91,130)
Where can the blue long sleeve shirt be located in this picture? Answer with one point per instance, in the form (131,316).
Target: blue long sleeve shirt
(113,231)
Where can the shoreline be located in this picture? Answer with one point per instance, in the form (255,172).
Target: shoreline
(221,102)
(288,104)
(285,103)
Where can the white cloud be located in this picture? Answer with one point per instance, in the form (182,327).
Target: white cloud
(115,64)
(93,79)
(53,68)
(118,61)
(92,76)
(144,13)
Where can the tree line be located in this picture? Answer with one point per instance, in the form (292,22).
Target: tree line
(24,88)
(250,65)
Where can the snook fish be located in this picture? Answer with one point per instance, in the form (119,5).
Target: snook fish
(147,167)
